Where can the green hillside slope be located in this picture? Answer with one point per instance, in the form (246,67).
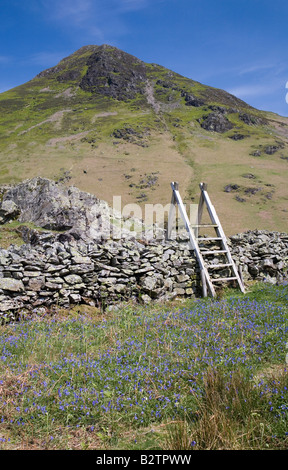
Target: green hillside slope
(111,124)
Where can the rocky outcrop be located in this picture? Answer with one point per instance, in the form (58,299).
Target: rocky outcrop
(238,136)
(134,136)
(252,120)
(114,73)
(216,122)
(191,100)
(105,70)
(54,206)
(271,149)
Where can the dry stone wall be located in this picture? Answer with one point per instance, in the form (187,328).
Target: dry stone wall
(94,260)
(57,269)
(51,269)
(263,255)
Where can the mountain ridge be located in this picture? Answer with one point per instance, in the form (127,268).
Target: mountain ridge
(111,61)
(109,123)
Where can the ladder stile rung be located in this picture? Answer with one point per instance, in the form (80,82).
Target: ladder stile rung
(220,279)
(219,266)
(204,225)
(213,252)
(208,239)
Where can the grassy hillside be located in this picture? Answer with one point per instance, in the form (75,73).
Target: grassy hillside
(200,375)
(113,125)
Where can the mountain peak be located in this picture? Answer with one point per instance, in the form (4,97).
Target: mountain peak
(104,69)
(114,73)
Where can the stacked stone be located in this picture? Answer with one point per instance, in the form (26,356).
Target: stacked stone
(263,255)
(59,270)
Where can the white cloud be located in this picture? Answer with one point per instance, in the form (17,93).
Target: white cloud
(84,13)
(4,59)
(97,21)
(78,12)
(271,68)
(46,59)
(130,5)
(247,91)
(89,21)
(254,68)
(75,12)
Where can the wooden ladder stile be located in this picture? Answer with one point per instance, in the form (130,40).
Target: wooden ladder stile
(207,279)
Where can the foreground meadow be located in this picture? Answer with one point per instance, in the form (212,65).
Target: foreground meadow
(205,374)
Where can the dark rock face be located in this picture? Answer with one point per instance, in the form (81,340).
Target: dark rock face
(231,187)
(191,100)
(271,149)
(251,120)
(238,136)
(134,136)
(70,75)
(256,153)
(218,109)
(114,73)
(109,71)
(70,67)
(216,122)
(252,190)
(240,199)
(249,176)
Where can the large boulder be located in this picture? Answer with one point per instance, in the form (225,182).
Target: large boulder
(54,206)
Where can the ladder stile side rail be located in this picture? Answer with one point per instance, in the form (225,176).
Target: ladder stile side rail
(183,212)
(172,213)
(199,213)
(204,284)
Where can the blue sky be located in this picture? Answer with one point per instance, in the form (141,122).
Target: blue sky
(238,45)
